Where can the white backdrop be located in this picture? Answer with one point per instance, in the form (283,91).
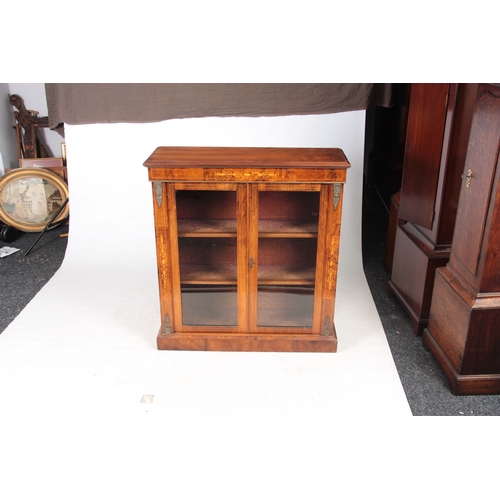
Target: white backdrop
(82,354)
(111,156)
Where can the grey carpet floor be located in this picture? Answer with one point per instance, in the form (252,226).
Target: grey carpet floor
(424,383)
(22,277)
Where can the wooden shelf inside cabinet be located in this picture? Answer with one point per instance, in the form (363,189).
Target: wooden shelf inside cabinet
(209,274)
(207,228)
(247,246)
(283,275)
(287,229)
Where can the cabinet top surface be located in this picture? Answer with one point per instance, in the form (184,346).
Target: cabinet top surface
(245,157)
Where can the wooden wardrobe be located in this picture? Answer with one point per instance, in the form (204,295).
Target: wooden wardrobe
(438,129)
(464,323)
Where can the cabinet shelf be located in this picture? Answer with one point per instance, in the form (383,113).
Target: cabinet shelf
(283,275)
(227,229)
(206,275)
(288,229)
(202,228)
(227,275)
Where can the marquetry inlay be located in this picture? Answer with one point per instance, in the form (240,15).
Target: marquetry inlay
(332,264)
(163,262)
(248,175)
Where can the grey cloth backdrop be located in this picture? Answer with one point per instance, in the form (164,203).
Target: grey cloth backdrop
(84,103)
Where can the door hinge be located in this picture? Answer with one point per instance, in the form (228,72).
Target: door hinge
(433,216)
(251,263)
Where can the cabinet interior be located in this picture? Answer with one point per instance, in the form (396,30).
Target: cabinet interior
(285,260)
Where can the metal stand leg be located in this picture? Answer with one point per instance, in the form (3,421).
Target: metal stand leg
(48,226)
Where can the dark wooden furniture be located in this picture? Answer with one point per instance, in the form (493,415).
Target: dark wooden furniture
(27,124)
(247,242)
(385,147)
(394,222)
(464,324)
(439,121)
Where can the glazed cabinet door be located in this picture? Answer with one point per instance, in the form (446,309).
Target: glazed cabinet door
(284,289)
(208,244)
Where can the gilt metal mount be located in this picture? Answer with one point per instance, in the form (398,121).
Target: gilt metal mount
(167,327)
(158,192)
(337,187)
(326,327)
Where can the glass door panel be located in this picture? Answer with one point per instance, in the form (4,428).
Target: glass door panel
(283,306)
(207,244)
(287,249)
(209,305)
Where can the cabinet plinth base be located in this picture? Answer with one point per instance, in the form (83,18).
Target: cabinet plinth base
(418,323)
(238,342)
(463,335)
(461,385)
(415,261)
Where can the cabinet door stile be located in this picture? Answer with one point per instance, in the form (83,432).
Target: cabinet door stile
(332,240)
(163,254)
(243,258)
(320,259)
(174,252)
(252,264)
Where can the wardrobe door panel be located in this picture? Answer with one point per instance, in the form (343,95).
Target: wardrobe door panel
(423,152)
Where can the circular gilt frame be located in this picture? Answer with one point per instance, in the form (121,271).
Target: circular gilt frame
(7,214)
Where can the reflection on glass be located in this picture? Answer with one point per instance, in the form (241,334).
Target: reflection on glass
(291,260)
(206,224)
(286,282)
(207,260)
(210,211)
(287,247)
(284,306)
(209,305)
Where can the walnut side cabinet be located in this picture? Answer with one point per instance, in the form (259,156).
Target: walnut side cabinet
(247,244)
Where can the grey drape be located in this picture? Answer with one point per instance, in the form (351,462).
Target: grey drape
(84,103)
